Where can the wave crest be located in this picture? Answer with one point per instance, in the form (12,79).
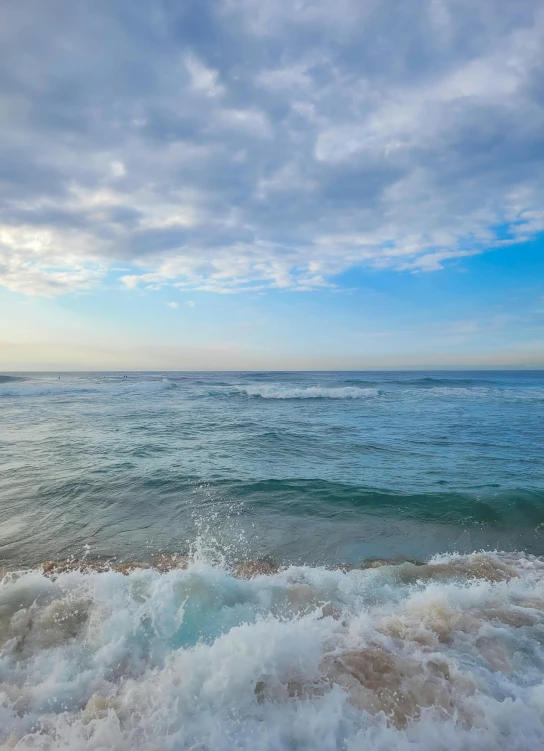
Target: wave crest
(309,392)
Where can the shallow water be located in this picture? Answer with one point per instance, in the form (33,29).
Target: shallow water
(314,645)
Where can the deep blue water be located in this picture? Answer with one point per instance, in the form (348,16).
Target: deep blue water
(302,467)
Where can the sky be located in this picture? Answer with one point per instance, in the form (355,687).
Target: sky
(297,184)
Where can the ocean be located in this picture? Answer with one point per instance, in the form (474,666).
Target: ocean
(272,561)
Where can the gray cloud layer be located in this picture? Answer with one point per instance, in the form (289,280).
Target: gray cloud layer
(239,144)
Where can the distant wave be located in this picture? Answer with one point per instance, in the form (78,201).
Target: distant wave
(310,392)
(425,382)
(10,379)
(32,390)
(463,391)
(432,381)
(480,392)
(162,385)
(431,389)
(60,389)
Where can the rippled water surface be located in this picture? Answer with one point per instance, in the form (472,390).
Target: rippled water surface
(305,467)
(272,561)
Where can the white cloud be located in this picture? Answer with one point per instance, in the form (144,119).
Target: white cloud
(285,79)
(203,79)
(46,262)
(172,304)
(381,136)
(29,279)
(130,280)
(246,120)
(190,303)
(118,169)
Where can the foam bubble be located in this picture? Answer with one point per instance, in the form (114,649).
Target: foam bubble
(446,655)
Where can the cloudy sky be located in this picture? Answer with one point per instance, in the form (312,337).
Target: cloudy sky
(258,184)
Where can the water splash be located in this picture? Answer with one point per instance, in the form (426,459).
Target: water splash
(445,655)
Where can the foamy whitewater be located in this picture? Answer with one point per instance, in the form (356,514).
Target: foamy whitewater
(312,392)
(442,656)
(272,562)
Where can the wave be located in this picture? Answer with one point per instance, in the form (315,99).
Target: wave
(98,387)
(431,381)
(432,390)
(320,498)
(32,390)
(163,385)
(10,379)
(308,392)
(440,657)
(425,381)
(482,392)
(463,391)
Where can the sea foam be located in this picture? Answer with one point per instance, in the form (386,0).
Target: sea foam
(309,392)
(443,656)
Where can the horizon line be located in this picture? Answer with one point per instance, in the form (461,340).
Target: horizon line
(503,369)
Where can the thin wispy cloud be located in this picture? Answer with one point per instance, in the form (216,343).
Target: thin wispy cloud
(241,145)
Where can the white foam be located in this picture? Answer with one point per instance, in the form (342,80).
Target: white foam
(310,392)
(306,659)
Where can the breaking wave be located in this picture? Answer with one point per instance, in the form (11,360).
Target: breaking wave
(309,392)
(431,390)
(442,656)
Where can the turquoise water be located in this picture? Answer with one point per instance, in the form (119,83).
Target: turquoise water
(436,646)
(303,467)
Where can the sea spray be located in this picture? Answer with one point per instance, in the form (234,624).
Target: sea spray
(445,655)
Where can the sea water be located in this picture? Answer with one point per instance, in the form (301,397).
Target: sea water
(272,561)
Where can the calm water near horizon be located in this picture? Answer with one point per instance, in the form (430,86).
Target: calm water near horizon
(436,646)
